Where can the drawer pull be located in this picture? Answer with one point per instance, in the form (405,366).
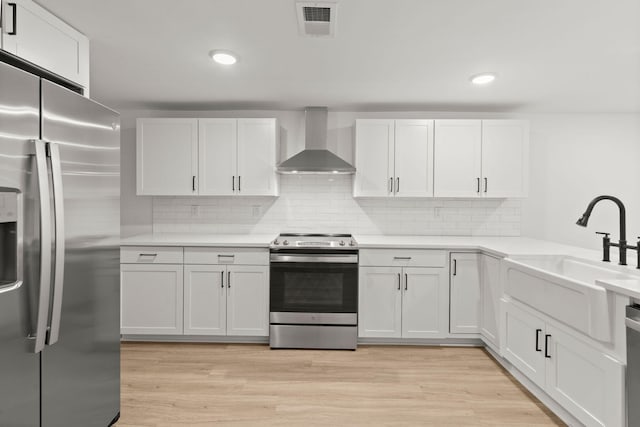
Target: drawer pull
(148,254)
(402,257)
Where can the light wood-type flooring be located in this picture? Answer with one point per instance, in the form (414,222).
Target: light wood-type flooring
(251,385)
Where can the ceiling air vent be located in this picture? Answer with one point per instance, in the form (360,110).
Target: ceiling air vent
(317,19)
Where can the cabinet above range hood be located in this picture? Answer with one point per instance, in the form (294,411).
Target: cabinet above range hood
(315,158)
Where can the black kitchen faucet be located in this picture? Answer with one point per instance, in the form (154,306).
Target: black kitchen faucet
(606,241)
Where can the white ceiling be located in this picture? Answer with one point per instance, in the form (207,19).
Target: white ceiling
(551,55)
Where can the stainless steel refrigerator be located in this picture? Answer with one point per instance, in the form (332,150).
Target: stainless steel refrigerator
(59,256)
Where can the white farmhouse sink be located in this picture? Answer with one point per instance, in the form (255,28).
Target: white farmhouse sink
(564,288)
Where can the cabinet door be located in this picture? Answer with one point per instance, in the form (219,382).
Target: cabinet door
(151,299)
(465,293)
(205,300)
(490,296)
(257,157)
(167,157)
(457,158)
(585,381)
(524,343)
(425,302)
(414,158)
(505,153)
(374,158)
(380,302)
(45,40)
(248,300)
(217,157)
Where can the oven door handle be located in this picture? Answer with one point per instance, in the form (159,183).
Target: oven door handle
(331,259)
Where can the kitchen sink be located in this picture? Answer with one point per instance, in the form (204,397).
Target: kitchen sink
(564,287)
(576,269)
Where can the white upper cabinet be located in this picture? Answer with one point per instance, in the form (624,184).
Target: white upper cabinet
(34,34)
(394,158)
(217,156)
(481,158)
(256,157)
(212,157)
(413,158)
(374,158)
(167,157)
(505,154)
(457,158)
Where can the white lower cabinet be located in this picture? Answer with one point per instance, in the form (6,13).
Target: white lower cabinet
(490,294)
(580,377)
(226,300)
(205,300)
(465,293)
(402,302)
(212,291)
(248,300)
(151,299)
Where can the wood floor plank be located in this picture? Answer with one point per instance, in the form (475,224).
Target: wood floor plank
(182,384)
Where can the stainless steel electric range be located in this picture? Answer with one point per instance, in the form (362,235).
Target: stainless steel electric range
(314,291)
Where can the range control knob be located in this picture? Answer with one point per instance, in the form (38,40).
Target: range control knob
(276,242)
(341,242)
(286,242)
(352,243)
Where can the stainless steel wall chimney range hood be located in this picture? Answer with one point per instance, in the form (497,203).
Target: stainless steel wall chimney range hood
(315,158)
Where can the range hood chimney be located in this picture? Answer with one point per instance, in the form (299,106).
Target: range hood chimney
(315,158)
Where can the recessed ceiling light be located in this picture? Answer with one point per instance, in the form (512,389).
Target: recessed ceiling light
(223,57)
(482,79)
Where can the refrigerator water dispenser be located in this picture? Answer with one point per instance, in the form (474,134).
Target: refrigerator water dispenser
(9,239)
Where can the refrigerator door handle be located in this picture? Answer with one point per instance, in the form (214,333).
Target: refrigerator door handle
(45,245)
(58,212)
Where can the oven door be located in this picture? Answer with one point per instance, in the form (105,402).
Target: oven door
(314,283)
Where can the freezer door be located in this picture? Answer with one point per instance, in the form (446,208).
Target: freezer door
(81,363)
(19,245)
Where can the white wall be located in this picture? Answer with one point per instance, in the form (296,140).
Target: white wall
(575,158)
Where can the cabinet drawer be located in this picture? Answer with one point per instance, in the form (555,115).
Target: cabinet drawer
(403,257)
(151,255)
(246,256)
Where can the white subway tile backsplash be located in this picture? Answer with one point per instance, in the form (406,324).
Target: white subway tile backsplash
(310,203)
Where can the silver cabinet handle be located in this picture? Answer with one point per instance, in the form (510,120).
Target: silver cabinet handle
(406,281)
(45,246)
(152,255)
(229,280)
(402,257)
(222,279)
(58,212)
(478,187)
(233,183)
(239,177)
(399,280)
(455,267)
(193,183)
(398,185)
(485,184)
(391,185)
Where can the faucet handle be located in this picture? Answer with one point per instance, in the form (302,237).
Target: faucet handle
(605,234)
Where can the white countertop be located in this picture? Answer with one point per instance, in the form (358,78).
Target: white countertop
(499,246)
(630,288)
(182,239)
